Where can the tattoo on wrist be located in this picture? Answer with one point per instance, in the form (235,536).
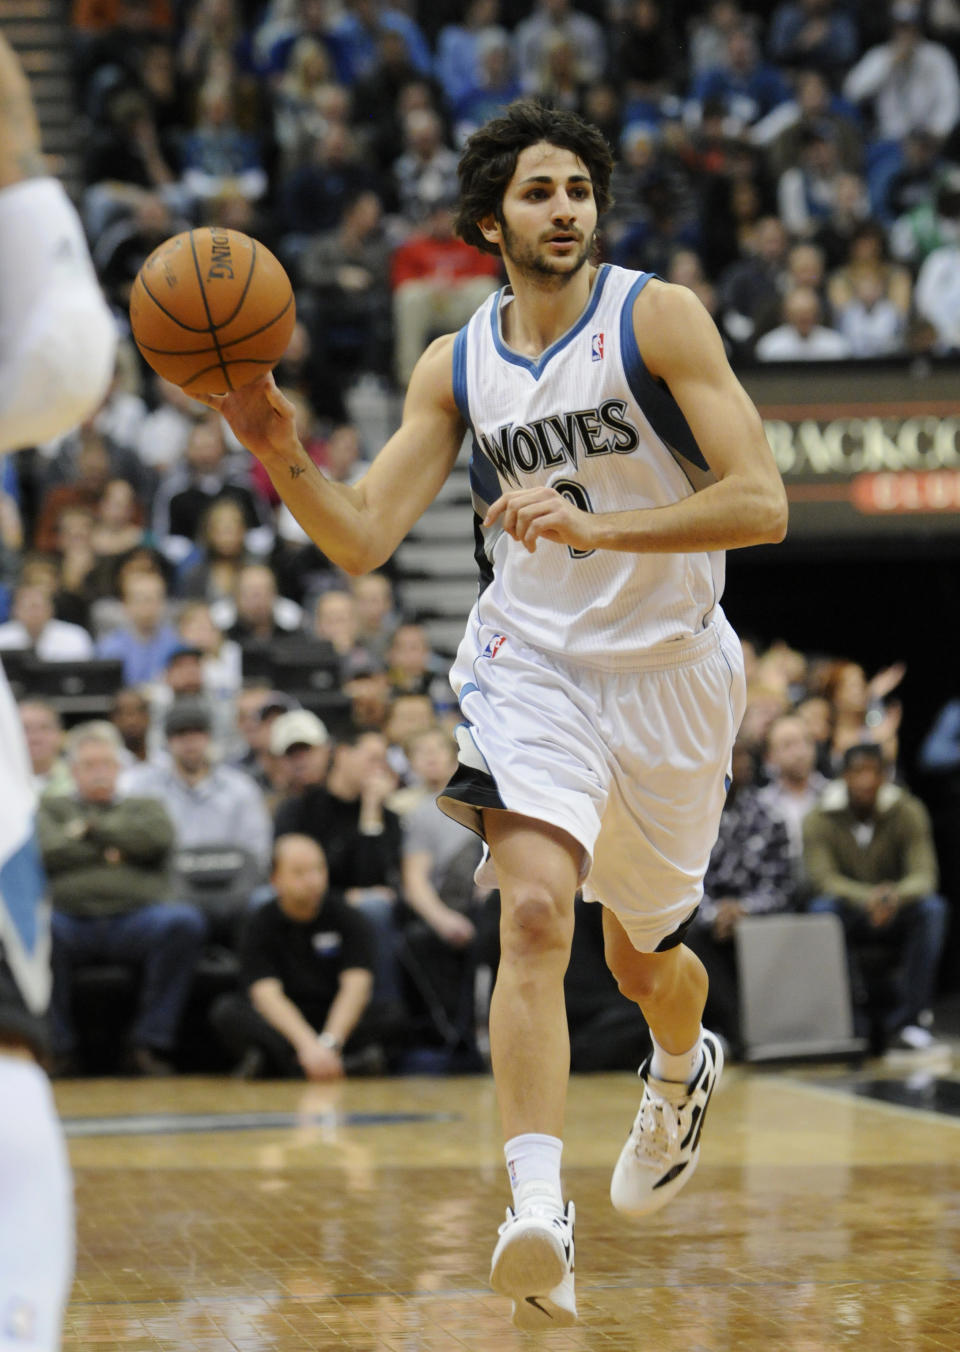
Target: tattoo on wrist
(296,471)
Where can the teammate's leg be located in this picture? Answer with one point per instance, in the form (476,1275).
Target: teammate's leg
(663,1148)
(36,1214)
(538,868)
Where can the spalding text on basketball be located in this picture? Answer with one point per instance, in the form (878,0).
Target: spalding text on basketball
(221,262)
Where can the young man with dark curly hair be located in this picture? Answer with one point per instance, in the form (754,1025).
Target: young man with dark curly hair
(615,456)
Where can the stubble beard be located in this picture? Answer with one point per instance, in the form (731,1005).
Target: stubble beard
(536,267)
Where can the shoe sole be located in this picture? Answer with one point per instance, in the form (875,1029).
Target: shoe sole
(658,1198)
(532,1262)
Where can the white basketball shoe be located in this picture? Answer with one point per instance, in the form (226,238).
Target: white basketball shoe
(533,1265)
(663,1148)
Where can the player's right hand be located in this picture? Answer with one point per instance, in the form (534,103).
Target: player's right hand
(262,418)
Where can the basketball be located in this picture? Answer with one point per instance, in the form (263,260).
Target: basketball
(212,309)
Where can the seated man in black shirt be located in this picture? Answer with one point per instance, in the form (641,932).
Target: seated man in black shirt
(306,962)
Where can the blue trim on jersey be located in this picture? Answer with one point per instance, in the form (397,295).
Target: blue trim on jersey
(484,479)
(663,411)
(468,689)
(536,368)
(460,374)
(23,886)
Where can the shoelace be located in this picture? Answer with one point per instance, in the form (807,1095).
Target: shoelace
(658,1136)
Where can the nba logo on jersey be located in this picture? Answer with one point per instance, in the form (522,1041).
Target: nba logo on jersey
(596,347)
(494,646)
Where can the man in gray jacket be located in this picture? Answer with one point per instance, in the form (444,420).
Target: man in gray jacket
(869,858)
(107,863)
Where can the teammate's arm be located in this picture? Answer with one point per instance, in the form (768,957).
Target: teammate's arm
(746,505)
(358,526)
(20,153)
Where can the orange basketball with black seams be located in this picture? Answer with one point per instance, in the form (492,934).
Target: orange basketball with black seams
(211,310)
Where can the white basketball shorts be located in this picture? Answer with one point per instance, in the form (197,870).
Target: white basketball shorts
(57,336)
(633,764)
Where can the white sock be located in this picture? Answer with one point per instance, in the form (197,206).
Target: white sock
(679,1068)
(533,1166)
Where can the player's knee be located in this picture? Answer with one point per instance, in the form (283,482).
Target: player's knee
(536,921)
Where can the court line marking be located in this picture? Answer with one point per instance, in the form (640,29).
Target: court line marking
(175,1124)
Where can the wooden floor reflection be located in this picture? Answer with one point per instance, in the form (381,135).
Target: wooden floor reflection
(214,1215)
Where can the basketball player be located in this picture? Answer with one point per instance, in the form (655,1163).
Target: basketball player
(615,457)
(57,341)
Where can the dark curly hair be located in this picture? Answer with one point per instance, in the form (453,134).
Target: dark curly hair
(489,161)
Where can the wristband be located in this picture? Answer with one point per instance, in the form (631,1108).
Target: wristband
(328,1040)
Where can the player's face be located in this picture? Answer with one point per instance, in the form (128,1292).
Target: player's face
(549,214)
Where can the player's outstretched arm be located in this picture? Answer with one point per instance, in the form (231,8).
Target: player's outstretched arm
(20,152)
(357,526)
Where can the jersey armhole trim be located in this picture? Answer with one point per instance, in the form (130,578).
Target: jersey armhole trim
(460,396)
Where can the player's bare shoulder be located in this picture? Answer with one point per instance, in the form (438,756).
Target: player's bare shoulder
(673,328)
(431,383)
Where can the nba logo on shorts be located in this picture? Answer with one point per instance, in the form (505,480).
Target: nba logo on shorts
(596,347)
(494,646)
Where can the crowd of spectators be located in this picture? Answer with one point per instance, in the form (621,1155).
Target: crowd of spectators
(797,165)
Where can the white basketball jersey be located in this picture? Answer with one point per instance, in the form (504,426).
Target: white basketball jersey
(586,418)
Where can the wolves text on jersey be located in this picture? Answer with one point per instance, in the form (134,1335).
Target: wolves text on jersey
(523,448)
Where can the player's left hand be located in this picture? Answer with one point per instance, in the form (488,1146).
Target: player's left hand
(532,514)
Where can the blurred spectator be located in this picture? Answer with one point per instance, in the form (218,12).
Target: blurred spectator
(315,195)
(802,337)
(256,709)
(221,657)
(937,296)
(297,119)
(306,961)
(496,85)
(211,571)
(807,192)
(130,715)
(867,257)
(183,678)
(438,281)
(849,211)
(871,323)
(559,79)
(426,172)
(357,34)
(124,162)
(347,272)
(301,740)
(415,669)
(165,432)
(335,619)
(117,528)
(913,182)
(218,159)
(930,225)
(861,709)
(552,18)
(212,41)
(145,638)
(816,712)
(383,99)
(749,873)
(32,627)
(814,105)
(43,730)
(361,838)
(645,57)
(124,245)
(460,47)
(710,34)
(813,33)
(106,859)
(376,615)
(869,858)
(257,614)
(410,716)
(368,688)
(751,289)
(209,804)
(91,473)
(795,783)
(745,86)
(910,83)
(207,474)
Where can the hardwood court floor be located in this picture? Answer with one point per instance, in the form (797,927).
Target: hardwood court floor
(216,1216)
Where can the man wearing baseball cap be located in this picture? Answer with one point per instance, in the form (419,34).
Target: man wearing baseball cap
(301,739)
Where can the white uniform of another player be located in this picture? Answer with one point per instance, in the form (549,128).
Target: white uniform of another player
(602,690)
(57,336)
(57,350)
